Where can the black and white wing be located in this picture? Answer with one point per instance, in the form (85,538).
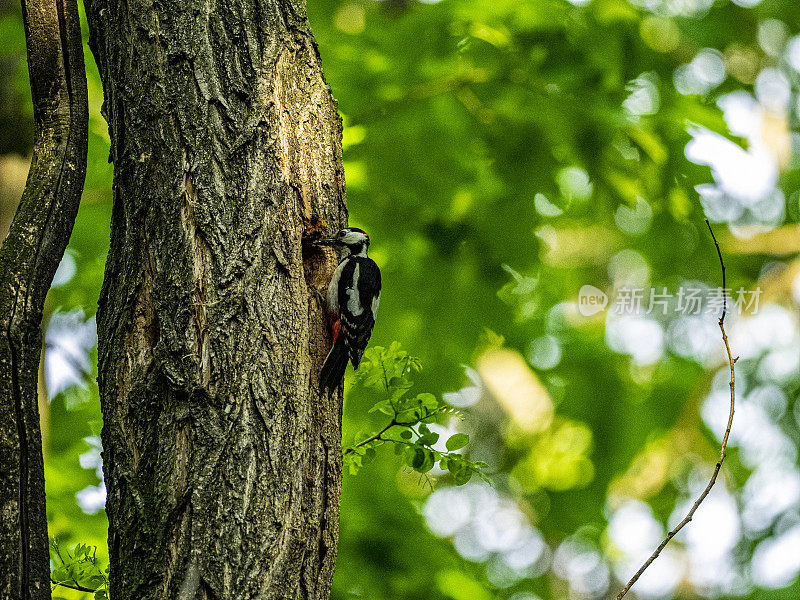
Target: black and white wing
(359,296)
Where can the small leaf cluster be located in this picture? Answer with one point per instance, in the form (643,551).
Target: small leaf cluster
(79,569)
(390,371)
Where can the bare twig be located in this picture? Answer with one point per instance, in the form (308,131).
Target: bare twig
(731,362)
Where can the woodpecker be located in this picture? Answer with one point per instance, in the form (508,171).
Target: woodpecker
(352,302)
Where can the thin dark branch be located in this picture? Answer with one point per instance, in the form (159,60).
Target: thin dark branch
(723,447)
(378,436)
(724,286)
(80,588)
(373,438)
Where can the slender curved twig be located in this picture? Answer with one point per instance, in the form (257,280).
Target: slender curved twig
(695,506)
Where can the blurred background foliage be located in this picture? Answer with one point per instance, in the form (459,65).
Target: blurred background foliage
(503,154)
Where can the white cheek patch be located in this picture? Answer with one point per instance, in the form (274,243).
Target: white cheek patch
(354,303)
(353,237)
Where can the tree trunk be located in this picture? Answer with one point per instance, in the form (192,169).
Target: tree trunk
(222,459)
(29,257)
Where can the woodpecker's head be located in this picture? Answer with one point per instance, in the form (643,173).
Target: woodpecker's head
(354,240)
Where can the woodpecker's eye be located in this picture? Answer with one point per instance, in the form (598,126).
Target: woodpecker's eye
(342,233)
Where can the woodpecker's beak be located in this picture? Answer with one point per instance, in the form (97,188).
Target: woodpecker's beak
(326,242)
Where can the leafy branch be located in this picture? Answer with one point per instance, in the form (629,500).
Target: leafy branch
(79,571)
(389,370)
(732,384)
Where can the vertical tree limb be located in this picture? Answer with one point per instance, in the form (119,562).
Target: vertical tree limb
(28,260)
(723,447)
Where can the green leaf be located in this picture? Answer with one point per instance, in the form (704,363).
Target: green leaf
(414,364)
(428,401)
(428,439)
(400,383)
(406,434)
(369,456)
(457,441)
(462,476)
(353,463)
(415,457)
(397,395)
(427,462)
(59,574)
(409,417)
(384,406)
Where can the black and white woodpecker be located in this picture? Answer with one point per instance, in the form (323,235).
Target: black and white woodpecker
(352,302)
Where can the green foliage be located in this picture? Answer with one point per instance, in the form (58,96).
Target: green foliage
(79,569)
(390,371)
(489,153)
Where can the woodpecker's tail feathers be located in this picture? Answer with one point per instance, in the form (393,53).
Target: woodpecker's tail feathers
(335,364)
(355,356)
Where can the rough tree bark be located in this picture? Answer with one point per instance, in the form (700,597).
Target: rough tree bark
(222,460)
(28,260)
